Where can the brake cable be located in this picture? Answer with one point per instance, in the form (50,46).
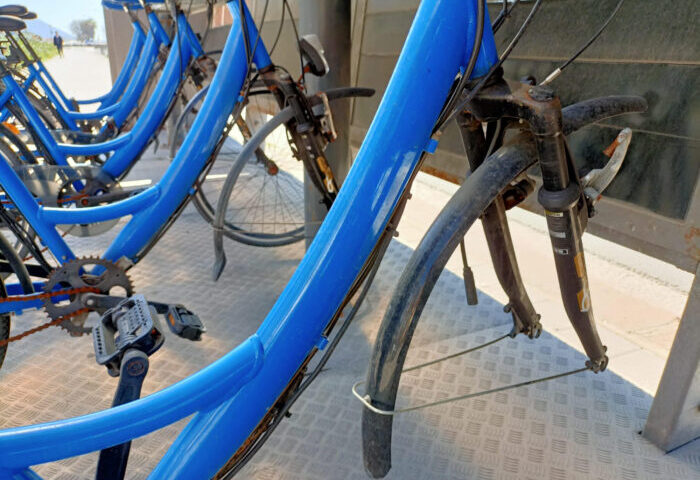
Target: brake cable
(437,130)
(558,71)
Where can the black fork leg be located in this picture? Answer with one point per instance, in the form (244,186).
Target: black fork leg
(566,213)
(495,223)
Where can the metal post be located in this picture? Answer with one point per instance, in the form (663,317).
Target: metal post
(330,20)
(674,418)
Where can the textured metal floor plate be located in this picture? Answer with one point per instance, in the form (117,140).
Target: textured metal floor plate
(580,427)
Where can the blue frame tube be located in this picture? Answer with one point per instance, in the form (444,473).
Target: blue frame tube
(34,119)
(67,216)
(23,199)
(157,106)
(200,141)
(24,446)
(120,110)
(155,205)
(55,95)
(95,148)
(157,28)
(433,53)
(138,39)
(127,147)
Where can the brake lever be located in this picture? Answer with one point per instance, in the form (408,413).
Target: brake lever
(597,180)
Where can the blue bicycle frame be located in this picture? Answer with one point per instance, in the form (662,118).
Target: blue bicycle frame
(39,74)
(151,208)
(231,396)
(119,110)
(128,146)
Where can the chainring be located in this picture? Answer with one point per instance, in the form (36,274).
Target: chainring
(57,186)
(91,187)
(77,274)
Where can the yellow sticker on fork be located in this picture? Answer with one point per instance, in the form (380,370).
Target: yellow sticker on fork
(580,265)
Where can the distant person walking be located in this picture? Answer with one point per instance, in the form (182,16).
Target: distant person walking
(58,42)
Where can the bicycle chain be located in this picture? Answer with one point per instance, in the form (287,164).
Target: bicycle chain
(43,296)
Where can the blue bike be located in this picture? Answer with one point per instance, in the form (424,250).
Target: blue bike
(240,398)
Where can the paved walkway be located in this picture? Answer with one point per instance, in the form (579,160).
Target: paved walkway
(584,426)
(82,73)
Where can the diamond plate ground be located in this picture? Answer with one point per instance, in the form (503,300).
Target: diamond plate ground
(579,427)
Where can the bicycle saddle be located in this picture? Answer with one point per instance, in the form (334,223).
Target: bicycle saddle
(312,51)
(11,24)
(14,10)
(29,16)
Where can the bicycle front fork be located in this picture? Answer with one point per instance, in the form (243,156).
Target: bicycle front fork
(561,195)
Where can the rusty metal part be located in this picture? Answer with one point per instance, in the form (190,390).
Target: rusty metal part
(75,274)
(44,296)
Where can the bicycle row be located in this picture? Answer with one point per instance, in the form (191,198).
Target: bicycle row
(247,136)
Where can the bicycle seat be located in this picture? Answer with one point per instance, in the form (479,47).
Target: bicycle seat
(13,10)
(11,24)
(312,51)
(29,16)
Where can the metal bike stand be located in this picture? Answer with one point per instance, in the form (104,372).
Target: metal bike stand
(330,20)
(674,418)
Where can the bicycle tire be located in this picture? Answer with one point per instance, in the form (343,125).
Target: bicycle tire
(206,194)
(429,259)
(414,287)
(232,229)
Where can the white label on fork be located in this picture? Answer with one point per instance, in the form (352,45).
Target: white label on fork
(556,234)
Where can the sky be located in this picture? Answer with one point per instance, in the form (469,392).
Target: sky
(60,13)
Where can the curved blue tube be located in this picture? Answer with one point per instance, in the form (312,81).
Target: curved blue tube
(96,115)
(138,80)
(198,144)
(157,107)
(158,29)
(66,216)
(24,446)
(119,86)
(95,148)
(433,54)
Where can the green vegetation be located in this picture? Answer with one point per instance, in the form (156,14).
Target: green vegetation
(45,49)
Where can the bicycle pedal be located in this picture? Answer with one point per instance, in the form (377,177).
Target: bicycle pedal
(184,323)
(132,324)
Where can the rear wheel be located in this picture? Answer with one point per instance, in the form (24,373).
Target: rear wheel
(267,206)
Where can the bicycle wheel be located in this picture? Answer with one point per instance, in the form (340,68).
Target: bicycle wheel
(266,207)
(414,288)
